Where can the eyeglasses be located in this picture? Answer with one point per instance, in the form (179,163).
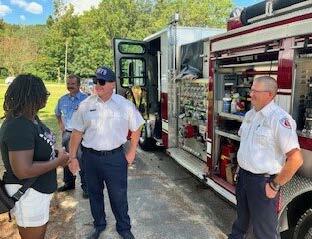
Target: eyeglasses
(100,81)
(257,91)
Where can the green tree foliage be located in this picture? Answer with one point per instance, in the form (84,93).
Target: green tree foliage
(19,47)
(199,13)
(89,35)
(2,24)
(61,30)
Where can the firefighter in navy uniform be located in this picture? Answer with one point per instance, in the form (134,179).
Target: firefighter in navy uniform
(102,121)
(268,157)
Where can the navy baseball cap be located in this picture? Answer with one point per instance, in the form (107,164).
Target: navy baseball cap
(106,74)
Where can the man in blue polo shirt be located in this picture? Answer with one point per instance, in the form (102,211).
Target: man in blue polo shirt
(64,110)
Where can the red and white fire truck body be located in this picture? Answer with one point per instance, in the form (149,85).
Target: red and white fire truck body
(192,87)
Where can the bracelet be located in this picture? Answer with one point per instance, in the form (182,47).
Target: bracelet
(275,187)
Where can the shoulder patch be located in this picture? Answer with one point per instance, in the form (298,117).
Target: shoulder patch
(285,123)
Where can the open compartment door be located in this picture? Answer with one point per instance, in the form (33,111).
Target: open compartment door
(130,64)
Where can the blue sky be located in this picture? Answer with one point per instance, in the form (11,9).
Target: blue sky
(244,3)
(25,11)
(37,11)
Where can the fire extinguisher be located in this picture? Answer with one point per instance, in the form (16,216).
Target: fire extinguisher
(189,131)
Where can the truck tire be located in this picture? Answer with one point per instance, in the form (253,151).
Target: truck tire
(147,143)
(303,229)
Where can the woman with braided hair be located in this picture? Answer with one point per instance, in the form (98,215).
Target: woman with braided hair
(27,148)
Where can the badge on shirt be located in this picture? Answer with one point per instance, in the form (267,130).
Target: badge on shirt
(285,123)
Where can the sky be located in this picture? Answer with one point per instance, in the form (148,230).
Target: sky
(245,3)
(37,11)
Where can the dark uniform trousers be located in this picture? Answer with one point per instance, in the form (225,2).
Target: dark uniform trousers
(110,167)
(254,208)
(69,178)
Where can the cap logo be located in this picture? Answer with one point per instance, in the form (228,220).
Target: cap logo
(101,71)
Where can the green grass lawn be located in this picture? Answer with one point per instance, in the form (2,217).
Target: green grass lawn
(46,114)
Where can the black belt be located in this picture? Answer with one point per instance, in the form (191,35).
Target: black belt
(266,175)
(102,152)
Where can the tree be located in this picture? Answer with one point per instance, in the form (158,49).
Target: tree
(50,21)
(59,8)
(89,36)
(135,20)
(16,53)
(2,24)
(19,47)
(62,31)
(199,13)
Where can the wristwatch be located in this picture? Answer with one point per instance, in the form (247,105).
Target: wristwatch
(274,185)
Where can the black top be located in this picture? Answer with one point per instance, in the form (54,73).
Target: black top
(22,134)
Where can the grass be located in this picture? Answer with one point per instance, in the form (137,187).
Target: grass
(46,114)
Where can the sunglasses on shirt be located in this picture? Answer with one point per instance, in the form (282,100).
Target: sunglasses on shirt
(100,81)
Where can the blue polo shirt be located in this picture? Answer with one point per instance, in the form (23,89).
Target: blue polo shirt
(67,105)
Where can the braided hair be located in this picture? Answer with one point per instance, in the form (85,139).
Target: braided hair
(25,96)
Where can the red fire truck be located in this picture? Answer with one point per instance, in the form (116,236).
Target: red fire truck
(192,84)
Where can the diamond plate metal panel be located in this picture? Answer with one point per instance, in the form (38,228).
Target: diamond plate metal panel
(296,186)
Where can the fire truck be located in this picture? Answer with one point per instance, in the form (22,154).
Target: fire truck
(192,87)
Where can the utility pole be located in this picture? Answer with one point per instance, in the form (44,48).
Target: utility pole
(66,51)
(59,75)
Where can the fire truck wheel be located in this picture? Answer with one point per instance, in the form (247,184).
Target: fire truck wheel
(303,229)
(147,144)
